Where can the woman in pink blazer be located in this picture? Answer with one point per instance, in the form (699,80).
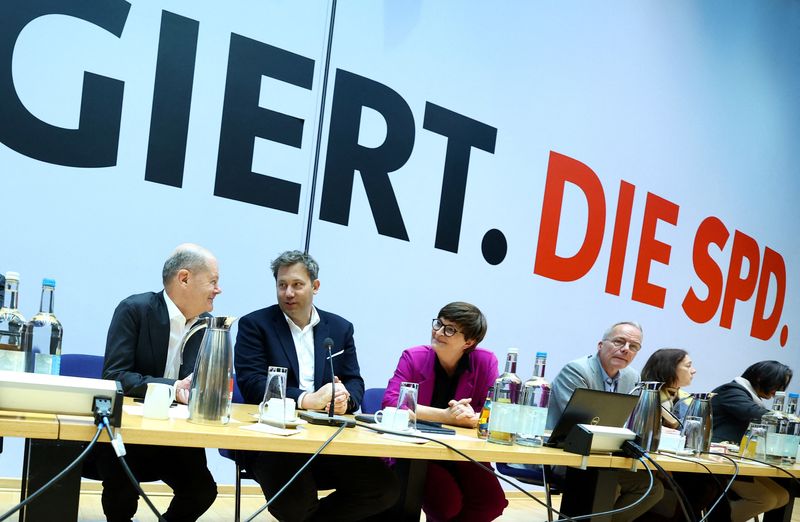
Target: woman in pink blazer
(454,376)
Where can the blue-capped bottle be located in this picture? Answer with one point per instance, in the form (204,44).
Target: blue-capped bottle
(13,356)
(43,333)
(533,401)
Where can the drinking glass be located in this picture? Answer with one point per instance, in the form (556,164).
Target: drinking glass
(407,400)
(754,442)
(276,392)
(693,431)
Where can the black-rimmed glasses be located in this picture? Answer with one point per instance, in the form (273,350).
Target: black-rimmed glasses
(449,331)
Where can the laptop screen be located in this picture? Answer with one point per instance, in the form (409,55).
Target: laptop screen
(599,408)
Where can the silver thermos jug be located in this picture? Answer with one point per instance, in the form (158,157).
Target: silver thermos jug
(646,418)
(212,383)
(700,406)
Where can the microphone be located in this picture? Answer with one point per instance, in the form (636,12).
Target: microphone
(328,343)
(314,417)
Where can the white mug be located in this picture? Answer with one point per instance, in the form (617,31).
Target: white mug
(157,400)
(393,419)
(278,410)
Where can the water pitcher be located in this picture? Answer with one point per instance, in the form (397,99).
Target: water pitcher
(212,383)
(700,406)
(646,418)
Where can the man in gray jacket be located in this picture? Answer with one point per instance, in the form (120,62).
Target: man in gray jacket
(608,370)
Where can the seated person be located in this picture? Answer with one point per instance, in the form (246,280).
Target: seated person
(674,368)
(143,346)
(734,406)
(608,370)
(453,376)
(291,334)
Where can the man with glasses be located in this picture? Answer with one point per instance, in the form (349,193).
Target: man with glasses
(608,370)
(292,334)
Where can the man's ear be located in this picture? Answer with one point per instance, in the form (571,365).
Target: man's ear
(183,276)
(315,285)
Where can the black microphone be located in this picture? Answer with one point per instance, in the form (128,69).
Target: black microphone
(328,343)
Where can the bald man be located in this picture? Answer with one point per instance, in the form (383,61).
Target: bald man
(144,346)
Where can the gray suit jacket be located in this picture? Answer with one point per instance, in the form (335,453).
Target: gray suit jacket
(583,373)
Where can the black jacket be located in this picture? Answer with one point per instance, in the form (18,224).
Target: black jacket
(732,409)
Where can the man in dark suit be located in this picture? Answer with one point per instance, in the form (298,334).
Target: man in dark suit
(144,346)
(291,334)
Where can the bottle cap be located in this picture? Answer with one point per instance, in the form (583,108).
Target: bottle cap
(12,276)
(49,282)
(780,393)
(541,354)
(793,395)
(513,350)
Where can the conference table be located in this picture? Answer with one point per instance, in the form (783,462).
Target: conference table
(590,491)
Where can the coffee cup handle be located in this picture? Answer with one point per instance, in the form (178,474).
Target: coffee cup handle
(379,416)
(171,393)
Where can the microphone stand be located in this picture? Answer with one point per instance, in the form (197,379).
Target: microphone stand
(315,417)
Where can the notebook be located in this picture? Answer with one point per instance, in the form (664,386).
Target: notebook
(595,407)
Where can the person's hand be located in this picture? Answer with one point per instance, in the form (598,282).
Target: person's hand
(321,399)
(461,413)
(182,389)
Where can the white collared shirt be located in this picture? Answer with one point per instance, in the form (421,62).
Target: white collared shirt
(304,346)
(178,326)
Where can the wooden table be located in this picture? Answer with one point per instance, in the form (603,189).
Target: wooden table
(357,442)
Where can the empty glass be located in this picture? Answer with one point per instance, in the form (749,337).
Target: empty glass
(274,395)
(693,431)
(407,400)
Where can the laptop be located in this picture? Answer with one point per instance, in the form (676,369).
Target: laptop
(600,408)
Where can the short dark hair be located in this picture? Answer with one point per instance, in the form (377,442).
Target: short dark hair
(662,366)
(469,318)
(768,376)
(291,257)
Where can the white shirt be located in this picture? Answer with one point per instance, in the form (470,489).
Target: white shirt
(304,346)
(178,326)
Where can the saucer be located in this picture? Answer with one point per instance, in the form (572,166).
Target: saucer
(297,421)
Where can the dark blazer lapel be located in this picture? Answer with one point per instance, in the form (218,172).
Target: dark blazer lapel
(158,327)
(287,343)
(321,364)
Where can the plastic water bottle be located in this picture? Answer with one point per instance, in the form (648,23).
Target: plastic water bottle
(505,410)
(13,356)
(533,401)
(43,334)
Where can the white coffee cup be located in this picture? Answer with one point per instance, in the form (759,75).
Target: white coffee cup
(278,410)
(157,400)
(393,419)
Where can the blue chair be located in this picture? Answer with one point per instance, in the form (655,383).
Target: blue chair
(82,365)
(372,400)
(532,474)
(241,471)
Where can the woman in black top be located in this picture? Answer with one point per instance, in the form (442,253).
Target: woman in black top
(734,406)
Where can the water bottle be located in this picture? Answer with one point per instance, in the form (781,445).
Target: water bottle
(486,412)
(533,401)
(776,422)
(43,334)
(13,356)
(505,410)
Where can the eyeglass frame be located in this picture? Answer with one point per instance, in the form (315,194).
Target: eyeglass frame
(620,342)
(452,329)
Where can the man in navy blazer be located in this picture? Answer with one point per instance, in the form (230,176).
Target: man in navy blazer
(291,334)
(144,346)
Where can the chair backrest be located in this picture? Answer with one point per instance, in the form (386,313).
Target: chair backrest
(82,365)
(372,400)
